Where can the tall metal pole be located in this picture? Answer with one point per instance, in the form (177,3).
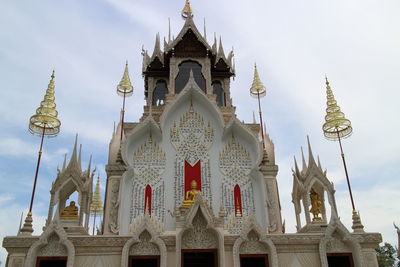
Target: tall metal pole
(123,114)
(37,170)
(345,170)
(261,122)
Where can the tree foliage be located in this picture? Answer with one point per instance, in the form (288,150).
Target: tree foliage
(386,255)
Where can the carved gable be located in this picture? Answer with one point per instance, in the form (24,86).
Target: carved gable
(190,46)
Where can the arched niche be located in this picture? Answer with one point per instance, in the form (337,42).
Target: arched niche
(200,231)
(337,239)
(52,243)
(159,93)
(145,242)
(218,90)
(184,70)
(253,241)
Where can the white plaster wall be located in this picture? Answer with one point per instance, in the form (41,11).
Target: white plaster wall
(210,114)
(97,261)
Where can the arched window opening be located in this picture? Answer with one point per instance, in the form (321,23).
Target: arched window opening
(184,73)
(159,93)
(219,91)
(147,200)
(238,201)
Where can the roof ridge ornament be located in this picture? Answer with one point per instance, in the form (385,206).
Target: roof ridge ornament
(187,11)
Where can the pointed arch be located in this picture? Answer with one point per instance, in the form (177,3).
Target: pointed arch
(336,227)
(57,238)
(145,226)
(252,232)
(200,216)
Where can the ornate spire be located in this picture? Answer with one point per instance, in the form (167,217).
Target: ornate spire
(257,88)
(187,10)
(336,125)
(97,205)
(45,121)
(125,87)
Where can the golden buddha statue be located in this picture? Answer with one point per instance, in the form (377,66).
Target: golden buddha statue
(70,212)
(191,195)
(315,205)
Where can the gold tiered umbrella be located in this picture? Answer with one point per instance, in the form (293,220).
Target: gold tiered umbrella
(43,123)
(97,205)
(337,127)
(258,90)
(124,89)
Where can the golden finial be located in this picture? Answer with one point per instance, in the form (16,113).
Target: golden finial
(257,88)
(97,205)
(45,121)
(187,10)
(125,87)
(336,125)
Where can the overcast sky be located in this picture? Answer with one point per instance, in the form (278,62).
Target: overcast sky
(295,43)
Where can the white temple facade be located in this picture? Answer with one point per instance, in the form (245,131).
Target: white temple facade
(191,185)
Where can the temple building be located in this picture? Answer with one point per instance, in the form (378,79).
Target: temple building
(190,184)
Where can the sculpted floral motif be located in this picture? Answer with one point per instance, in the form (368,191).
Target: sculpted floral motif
(53,247)
(199,237)
(114,228)
(253,245)
(192,138)
(17,262)
(144,247)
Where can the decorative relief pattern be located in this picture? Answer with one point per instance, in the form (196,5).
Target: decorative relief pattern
(53,247)
(335,244)
(199,237)
(114,227)
(144,247)
(148,166)
(235,165)
(253,245)
(192,138)
(17,262)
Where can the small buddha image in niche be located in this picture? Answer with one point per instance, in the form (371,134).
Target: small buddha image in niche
(316,205)
(191,195)
(70,212)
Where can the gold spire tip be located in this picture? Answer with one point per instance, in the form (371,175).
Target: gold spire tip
(187,10)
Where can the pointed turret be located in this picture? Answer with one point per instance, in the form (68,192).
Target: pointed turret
(65,162)
(311,160)
(336,125)
(187,11)
(157,50)
(214,46)
(125,87)
(303,162)
(97,205)
(220,53)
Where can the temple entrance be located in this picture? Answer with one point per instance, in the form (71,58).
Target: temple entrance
(340,260)
(51,262)
(199,258)
(144,261)
(253,260)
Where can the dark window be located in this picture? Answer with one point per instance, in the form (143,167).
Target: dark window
(51,262)
(254,260)
(159,93)
(340,260)
(184,74)
(199,258)
(144,261)
(217,90)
